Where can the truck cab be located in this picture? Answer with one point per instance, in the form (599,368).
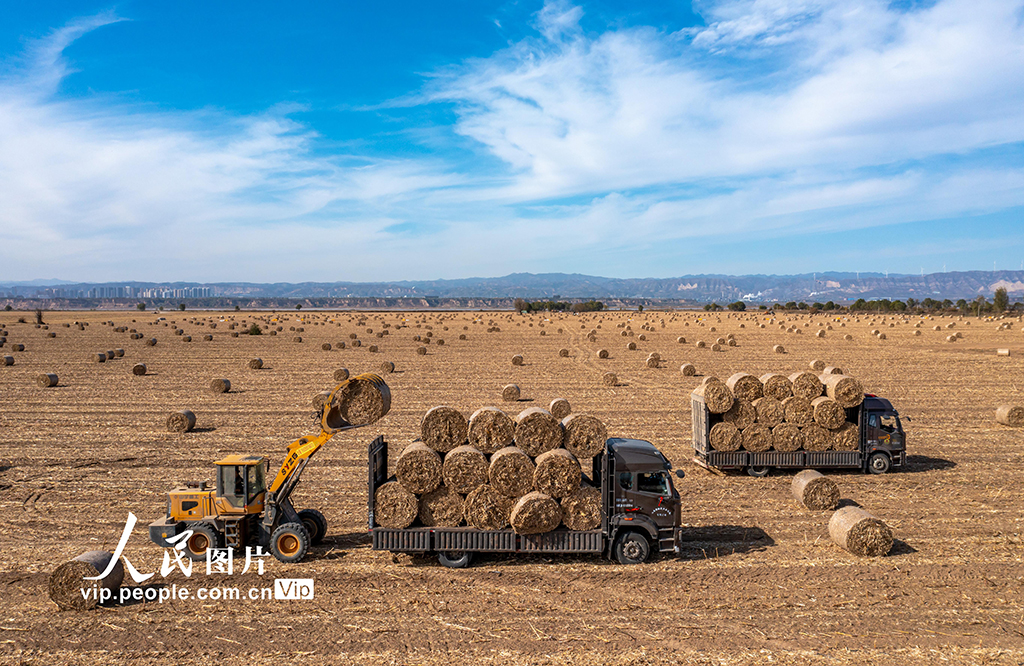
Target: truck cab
(885,444)
(644,509)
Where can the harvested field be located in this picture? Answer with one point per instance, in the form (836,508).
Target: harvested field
(78,457)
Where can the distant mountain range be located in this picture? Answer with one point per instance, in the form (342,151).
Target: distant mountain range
(548,286)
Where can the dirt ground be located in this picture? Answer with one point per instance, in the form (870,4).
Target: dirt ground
(759,581)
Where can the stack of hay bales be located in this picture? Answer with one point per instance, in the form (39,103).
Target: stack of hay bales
(492,472)
(803,411)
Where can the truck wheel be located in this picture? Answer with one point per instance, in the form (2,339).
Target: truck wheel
(289,542)
(203,538)
(315,524)
(632,548)
(758,471)
(455,559)
(878,463)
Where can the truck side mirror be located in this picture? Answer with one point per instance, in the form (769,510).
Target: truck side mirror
(681,474)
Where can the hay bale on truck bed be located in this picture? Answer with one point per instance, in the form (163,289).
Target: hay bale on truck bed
(717,396)
(443,428)
(1010,415)
(806,385)
(827,413)
(846,437)
(585,435)
(465,468)
(845,390)
(816,438)
(776,386)
(757,438)
(557,473)
(745,386)
(815,491)
(856,530)
(787,437)
(537,431)
(442,507)
(725,437)
(770,411)
(798,410)
(67,581)
(741,414)
(511,472)
(394,506)
(183,421)
(488,509)
(419,468)
(490,429)
(535,513)
(582,509)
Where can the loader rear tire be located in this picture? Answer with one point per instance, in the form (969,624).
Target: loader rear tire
(203,538)
(315,524)
(289,542)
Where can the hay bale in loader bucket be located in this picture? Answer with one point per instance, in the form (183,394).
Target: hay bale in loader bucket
(815,491)
(183,421)
(582,509)
(419,468)
(857,531)
(1010,415)
(535,513)
(443,428)
(491,429)
(67,581)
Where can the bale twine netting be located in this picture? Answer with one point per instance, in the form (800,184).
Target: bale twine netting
(419,468)
(537,431)
(394,506)
(581,510)
(584,435)
(857,531)
(67,582)
(535,513)
(443,428)
(556,473)
(488,509)
(183,421)
(465,467)
(491,429)
(815,491)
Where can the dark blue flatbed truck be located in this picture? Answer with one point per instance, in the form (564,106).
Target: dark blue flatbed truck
(882,444)
(641,514)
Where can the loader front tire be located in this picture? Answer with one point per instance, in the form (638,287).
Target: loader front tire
(289,542)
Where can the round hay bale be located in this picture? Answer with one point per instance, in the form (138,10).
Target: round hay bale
(745,386)
(563,352)
(365,399)
(337,345)
(847,337)
(581,510)
(490,429)
(831,370)
(798,410)
(827,413)
(717,396)
(442,507)
(681,340)
(139,369)
(817,365)
(9,360)
(687,369)
(725,437)
(631,346)
(560,408)
(297,338)
(517,359)
(816,438)
(510,393)
(537,431)
(701,344)
(806,385)
(487,509)
(846,437)
(741,414)
(256,364)
(443,428)
(326,346)
(603,353)
(208,337)
(585,435)
(787,437)
(815,491)
(419,468)
(465,468)
(234,334)
(770,411)
(757,438)
(66,583)
(110,354)
(340,375)
(881,336)
(387,367)
(511,472)
(186,338)
(319,400)
(18,347)
(394,506)
(845,390)
(462,336)
(220,385)
(46,380)
(917,333)
(535,513)
(610,379)
(1010,415)
(779,349)
(183,421)
(857,531)
(557,473)
(422,351)
(118,353)
(652,362)
(776,386)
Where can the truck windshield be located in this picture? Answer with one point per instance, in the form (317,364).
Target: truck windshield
(653,482)
(889,423)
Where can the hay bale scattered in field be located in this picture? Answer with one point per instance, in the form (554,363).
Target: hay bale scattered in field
(845,390)
(745,386)
(387,367)
(442,507)
(337,345)
(806,385)
(681,340)
(1002,352)
(443,428)
(779,349)
(537,431)
(631,346)
(560,408)
(1010,415)
(419,468)
(535,513)
(701,344)
(256,364)
(18,347)
(340,375)
(787,437)
(8,360)
(817,365)
(183,421)
(465,468)
(326,346)
(827,413)
(831,370)
(652,362)
(770,411)
(557,473)
(517,359)
(488,509)
(220,385)
(422,351)
(776,386)
(582,509)
(725,437)
(757,438)
(99,357)
(603,353)
(688,369)
(610,379)
(854,529)
(110,354)
(847,337)
(815,491)
(394,506)
(585,435)
(46,380)
(511,472)
(119,353)
(741,414)
(139,369)
(319,400)
(717,396)
(846,437)
(67,581)
(816,438)
(490,429)
(363,401)
(510,393)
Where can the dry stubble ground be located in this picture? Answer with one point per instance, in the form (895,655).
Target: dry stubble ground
(759,580)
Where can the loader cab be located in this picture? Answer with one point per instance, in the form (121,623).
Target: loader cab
(642,484)
(241,484)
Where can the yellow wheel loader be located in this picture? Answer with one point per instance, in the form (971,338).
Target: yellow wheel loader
(242,510)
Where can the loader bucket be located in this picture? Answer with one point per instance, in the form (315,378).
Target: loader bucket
(359,401)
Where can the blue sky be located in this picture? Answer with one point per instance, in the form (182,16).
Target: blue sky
(374,141)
